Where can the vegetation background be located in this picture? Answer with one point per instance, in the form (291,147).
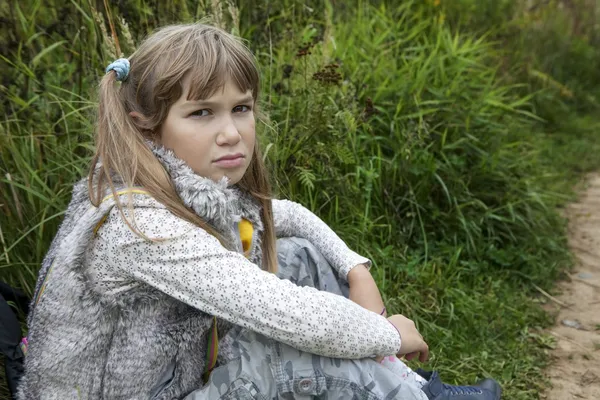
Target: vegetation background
(440,138)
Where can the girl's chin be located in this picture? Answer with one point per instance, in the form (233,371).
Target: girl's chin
(231,182)
(232,178)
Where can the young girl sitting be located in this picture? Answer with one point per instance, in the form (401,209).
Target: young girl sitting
(166,279)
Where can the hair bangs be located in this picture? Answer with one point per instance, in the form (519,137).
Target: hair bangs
(219,61)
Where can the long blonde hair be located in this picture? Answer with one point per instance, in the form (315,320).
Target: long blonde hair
(209,56)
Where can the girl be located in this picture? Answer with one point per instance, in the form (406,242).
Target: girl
(166,263)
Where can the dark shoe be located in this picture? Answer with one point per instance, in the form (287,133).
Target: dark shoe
(487,389)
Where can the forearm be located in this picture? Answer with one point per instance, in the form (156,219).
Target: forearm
(364,290)
(292,219)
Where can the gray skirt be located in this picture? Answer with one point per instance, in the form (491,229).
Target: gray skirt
(262,368)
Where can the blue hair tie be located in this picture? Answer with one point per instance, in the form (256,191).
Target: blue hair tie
(121,67)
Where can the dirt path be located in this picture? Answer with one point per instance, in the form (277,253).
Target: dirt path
(575,374)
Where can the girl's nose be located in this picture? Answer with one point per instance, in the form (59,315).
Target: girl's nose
(228,134)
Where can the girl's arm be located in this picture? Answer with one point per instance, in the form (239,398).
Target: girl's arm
(192,266)
(364,290)
(293,219)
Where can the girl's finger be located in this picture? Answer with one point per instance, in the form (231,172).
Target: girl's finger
(424,355)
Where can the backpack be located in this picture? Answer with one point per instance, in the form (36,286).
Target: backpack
(10,335)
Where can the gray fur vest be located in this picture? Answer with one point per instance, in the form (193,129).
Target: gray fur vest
(87,345)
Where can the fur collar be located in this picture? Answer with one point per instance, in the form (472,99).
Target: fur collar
(217,203)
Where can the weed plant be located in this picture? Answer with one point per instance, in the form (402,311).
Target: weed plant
(395,122)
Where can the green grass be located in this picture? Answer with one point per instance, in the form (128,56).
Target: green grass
(424,139)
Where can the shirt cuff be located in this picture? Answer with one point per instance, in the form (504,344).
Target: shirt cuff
(352,260)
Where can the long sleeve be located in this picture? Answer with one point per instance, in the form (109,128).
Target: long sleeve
(293,219)
(193,267)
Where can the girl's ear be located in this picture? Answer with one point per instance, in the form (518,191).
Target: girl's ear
(139,120)
(136,116)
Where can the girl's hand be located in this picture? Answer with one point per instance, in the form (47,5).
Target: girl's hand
(412,341)
(364,292)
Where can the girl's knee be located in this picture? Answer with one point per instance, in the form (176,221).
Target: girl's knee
(302,263)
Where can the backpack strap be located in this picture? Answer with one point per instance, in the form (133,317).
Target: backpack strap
(212,350)
(246,231)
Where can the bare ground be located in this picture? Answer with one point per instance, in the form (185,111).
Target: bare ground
(575,371)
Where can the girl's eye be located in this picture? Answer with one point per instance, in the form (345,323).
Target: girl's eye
(242,108)
(200,113)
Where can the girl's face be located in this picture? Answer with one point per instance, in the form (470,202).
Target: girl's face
(214,136)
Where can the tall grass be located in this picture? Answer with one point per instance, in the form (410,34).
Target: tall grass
(551,48)
(400,124)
